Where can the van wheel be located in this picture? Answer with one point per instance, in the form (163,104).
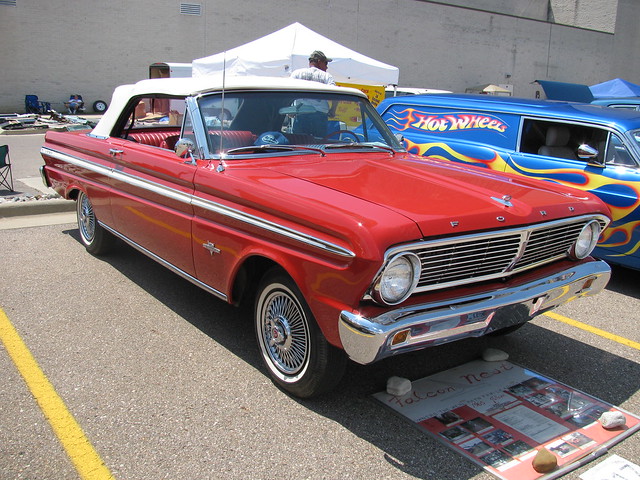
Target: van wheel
(294,350)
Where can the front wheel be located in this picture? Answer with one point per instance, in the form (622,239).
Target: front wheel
(294,350)
(94,237)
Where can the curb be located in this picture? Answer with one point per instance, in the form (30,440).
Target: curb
(36,207)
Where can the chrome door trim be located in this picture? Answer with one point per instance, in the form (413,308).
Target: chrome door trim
(208,205)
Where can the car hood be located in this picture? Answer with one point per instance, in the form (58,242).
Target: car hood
(443,197)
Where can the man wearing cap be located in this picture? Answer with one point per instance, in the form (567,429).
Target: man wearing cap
(314,123)
(317,70)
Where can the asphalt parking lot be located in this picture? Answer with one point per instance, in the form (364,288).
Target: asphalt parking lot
(165,381)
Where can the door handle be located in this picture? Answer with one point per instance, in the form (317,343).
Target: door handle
(114,151)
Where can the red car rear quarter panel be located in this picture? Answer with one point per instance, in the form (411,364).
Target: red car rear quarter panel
(66,177)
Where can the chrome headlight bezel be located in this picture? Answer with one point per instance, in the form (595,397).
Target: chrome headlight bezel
(388,279)
(586,241)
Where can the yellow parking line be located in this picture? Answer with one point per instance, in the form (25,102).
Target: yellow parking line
(594,330)
(83,456)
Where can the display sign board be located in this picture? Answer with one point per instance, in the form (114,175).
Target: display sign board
(499,415)
(348,113)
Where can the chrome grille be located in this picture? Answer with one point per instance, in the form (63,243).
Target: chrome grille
(549,243)
(467,259)
(491,255)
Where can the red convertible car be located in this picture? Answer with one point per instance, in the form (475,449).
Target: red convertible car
(295,196)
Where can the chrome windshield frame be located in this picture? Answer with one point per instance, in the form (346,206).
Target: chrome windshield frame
(370,119)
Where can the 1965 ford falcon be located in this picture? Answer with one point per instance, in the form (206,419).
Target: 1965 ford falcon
(295,196)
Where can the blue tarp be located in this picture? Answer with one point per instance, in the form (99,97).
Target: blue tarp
(615,88)
(570,92)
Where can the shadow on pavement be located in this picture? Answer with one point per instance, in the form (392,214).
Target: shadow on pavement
(624,281)
(601,374)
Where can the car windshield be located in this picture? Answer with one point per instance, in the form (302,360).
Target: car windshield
(277,121)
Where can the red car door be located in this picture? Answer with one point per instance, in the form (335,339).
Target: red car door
(151,202)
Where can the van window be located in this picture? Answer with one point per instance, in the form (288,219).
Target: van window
(617,153)
(560,140)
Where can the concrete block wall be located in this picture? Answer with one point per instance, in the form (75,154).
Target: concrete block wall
(59,47)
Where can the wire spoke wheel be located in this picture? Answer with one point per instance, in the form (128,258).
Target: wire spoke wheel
(285,332)
(86,219)
(94,237)
(294,350)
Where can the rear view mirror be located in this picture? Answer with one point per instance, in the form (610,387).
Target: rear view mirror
(297,109)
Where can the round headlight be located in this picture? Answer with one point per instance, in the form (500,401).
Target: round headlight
(398,279)
(586,241)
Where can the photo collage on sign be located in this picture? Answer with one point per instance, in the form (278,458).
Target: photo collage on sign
(536,412)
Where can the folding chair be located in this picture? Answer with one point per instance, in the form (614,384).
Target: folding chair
(75,104)
(31,104)
(6,177)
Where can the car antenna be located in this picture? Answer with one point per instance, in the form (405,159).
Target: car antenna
(221,165)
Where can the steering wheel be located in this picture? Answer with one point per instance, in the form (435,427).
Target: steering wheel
(339,132)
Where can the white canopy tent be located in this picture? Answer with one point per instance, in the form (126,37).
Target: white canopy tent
(288,49)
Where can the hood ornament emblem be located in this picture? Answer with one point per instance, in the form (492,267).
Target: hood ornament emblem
(505,200)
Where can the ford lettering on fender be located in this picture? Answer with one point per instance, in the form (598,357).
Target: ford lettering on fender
(346,245)
(591,148)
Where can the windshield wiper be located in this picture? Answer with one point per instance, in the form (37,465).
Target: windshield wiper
(267,148)
(360,145)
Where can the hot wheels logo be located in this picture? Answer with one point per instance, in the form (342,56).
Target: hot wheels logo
(410,118)
(457,121)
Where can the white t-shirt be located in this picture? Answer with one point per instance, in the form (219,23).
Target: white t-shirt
(313,74)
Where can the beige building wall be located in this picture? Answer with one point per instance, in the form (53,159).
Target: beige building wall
(55,48)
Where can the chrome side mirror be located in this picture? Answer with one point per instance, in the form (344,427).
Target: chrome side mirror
(587,152)
(399,137)
(590,154)
(184,149)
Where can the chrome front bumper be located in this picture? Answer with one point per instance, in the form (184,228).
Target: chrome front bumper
(367,340)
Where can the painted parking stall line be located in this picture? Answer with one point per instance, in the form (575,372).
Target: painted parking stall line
(84,457)
(594,330)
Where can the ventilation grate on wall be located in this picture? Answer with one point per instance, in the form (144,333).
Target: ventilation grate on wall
(190,8)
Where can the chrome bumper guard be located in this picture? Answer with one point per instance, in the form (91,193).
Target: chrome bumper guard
(367,340)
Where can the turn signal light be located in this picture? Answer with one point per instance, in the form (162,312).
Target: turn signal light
(400,337)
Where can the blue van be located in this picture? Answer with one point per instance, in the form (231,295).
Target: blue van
(588,147)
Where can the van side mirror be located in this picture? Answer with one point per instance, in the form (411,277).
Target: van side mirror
(587,152)
(590,154)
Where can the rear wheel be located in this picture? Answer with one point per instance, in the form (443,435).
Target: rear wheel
(294,350)
(95,238)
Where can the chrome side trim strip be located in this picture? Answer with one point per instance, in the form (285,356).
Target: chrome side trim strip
(164,263)
(271,226)
(202,203)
